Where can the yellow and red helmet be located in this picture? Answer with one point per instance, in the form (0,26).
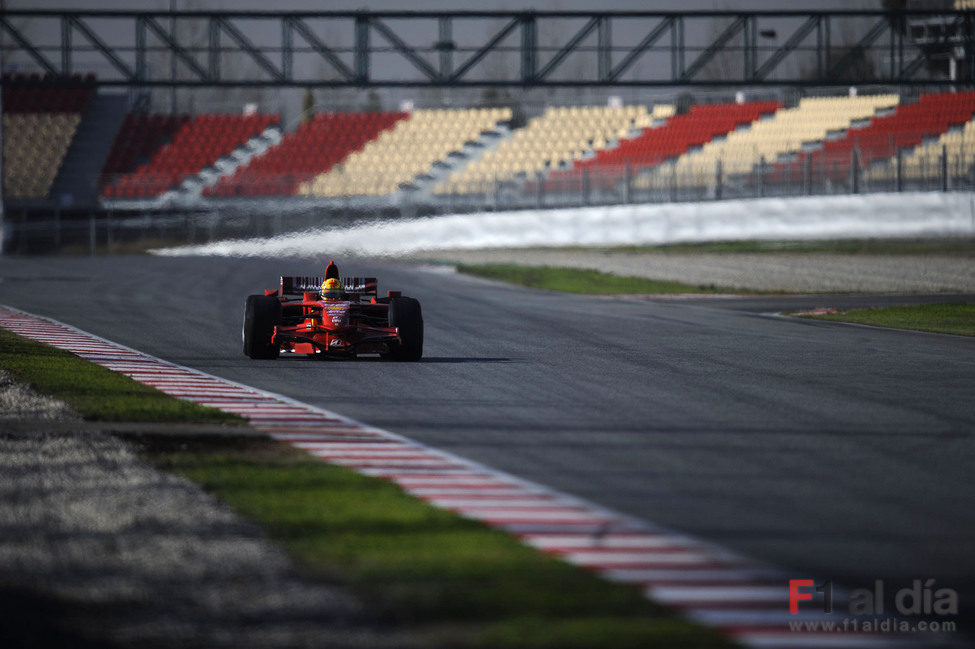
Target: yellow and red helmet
(332,289)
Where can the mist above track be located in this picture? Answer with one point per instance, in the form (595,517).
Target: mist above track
(914,214)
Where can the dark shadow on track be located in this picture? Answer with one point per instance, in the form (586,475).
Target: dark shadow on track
(362,359)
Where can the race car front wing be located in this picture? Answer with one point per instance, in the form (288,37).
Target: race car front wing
(305,339)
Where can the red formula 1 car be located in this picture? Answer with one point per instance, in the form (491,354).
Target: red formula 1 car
(300,318)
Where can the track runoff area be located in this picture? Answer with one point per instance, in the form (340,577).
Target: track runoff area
(755,604)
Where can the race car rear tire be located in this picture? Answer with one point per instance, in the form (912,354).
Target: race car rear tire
(261,314)
(405,313)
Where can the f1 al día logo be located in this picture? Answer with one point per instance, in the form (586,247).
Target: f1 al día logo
(922,597)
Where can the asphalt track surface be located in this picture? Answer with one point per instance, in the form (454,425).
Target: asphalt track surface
(836,451)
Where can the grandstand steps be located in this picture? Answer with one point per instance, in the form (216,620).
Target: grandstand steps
(191,189)
(254,147)
(422,185)
(76,184)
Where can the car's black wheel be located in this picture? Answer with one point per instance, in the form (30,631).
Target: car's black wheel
(261,314)
(404,312)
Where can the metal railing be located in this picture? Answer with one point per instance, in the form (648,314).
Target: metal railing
(250,210)
(801,175)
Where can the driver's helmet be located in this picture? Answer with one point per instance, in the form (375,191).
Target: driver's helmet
(332,289)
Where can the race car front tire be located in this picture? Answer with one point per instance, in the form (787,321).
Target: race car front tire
(405,313)
(261,314)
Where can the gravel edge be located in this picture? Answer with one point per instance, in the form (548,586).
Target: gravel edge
(769,271)
(100,549)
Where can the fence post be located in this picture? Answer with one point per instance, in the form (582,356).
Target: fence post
(761,177)
(807,175)
(944,168)
(717,180)
(961,164)
(899,170)
(854,173)
(585,186)
(788,180)
(539,191)
(627,184)
(673,183)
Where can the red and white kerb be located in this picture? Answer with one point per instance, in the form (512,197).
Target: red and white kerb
(744,599)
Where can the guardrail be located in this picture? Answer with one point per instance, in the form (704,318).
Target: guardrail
(143,222)
(801,175)
(111,231)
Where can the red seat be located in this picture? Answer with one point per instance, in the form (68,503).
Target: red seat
(314,148)
(702,123)
(907,126)
(177,146)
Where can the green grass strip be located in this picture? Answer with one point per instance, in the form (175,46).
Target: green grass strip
(449,581)
(455,582)
(575,280)
(948,318)
(93,391)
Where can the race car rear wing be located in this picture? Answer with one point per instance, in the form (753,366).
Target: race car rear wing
(361,286)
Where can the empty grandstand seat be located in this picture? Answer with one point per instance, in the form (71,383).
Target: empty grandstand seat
(674,137)
(172,148)
(786,131)
(317,145)
(39,123)
(408,150)
(906,127)
(956,141)
(550,141)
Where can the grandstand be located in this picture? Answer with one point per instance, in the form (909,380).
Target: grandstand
(317,145)
(138,139)
(924,160)
(784,132)
(701,124)
(39,123)
(176,146)
(667,137)
(905,128)
(440,154)
(678,114)
(408,150)
(553,140)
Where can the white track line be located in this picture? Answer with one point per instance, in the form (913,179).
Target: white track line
(744,599)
